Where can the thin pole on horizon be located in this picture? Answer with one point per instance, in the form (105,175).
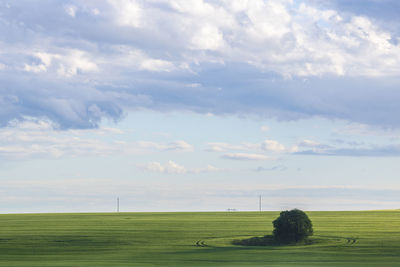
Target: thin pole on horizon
(259,204)
(117,204)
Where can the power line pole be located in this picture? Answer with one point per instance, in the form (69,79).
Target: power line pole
(117,204)
(259,204)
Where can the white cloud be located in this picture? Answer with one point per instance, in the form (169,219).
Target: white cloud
(245,156)
(269,149)
(293,149)
(70,10)
(222,147)
(68,64)
(136,59)
(173,168)
(31,124)
(95,11)
(75,62)
(169,168)
(194,8)
(302,41)
(156,65)
(315,146)
(179,146)
(128,12)
(264,128)
(309,143)
(208,38)
(45,61)
(103,131)
(34,138)
(273,146)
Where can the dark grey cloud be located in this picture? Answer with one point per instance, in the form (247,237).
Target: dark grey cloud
(366,100)
(68,105)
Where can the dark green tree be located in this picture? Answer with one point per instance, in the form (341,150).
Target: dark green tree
(292,226)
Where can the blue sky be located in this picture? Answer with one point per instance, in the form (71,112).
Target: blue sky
(199,105)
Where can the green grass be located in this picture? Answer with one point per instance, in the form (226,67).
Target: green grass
(362,238)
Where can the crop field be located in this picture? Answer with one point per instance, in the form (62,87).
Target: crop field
(360,238)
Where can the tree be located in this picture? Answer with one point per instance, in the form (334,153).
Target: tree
(292,226)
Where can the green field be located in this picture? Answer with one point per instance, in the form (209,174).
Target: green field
(362,238)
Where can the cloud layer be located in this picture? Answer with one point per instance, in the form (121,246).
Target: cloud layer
(78,63)
(272,149)
(38,139)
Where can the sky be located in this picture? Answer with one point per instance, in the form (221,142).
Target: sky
(199,105)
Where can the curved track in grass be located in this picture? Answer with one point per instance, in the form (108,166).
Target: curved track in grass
(320,241)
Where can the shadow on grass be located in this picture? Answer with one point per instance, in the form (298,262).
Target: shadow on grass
(267,240)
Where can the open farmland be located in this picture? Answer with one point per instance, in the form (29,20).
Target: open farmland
(360,238)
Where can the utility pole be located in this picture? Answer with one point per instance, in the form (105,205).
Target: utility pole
(259,204)
(117,204)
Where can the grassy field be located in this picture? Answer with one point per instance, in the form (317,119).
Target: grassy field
(362,238)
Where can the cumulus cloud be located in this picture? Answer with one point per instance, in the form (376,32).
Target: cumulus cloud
(129,12)
(169,168)
(94,60)
(65,65)
(208,38)
(173,168)
(272,146)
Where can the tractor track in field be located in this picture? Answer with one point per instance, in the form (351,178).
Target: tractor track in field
(351,241)
(200,243)
(348,241)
